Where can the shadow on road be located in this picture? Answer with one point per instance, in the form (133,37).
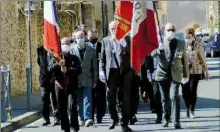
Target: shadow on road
(207,103)
(202,103)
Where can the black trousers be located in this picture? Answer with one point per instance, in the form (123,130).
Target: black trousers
(169,90)
(146,86)
(135,94)
(157,98)
(99,100)
(63,99)
(126,89)
(189,91)
(113,86)
(48,97)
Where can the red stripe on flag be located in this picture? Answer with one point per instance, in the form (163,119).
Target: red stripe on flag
(144,42)
(124,18)
(52,40)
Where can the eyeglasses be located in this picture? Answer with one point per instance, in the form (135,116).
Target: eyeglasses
(173,30)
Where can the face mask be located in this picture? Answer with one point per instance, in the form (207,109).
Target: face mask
(188,41)
(170,35)
(65,48)
(80,42)
(93,41)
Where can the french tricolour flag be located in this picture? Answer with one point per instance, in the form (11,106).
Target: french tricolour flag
(143,32)
(51,30)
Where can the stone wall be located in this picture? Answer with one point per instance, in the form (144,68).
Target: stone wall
(14,44)
(14,38)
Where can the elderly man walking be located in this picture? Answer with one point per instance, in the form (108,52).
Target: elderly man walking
(66,81)
(173,69)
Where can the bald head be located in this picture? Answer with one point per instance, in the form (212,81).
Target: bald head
(112,24)
(170,26)
(111,27)
(170,31)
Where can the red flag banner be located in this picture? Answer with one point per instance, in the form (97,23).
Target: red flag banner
(123,19)
(143,32)
(51,29)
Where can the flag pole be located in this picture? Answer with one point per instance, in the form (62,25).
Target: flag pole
(29,66)
(158,21)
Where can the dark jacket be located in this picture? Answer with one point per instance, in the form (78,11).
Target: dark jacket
(89,66)
(98,51)
(125,55)
(42,60)
(72,63)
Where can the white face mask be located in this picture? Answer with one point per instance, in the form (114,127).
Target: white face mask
(170,35)
(65,48)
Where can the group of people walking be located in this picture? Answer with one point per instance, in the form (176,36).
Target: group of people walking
(94,75)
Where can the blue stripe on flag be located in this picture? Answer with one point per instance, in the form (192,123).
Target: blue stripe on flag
(55,12)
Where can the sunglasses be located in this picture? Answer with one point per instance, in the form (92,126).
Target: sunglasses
(173,30)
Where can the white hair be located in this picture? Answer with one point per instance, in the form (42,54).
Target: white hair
(112,23)
(168,25)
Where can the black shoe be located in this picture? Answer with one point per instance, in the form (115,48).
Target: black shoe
(126,129)
(153,110)
(165,124)
(133,120)
(75,130)
(158,120)
(177,126)
(99,121)
(187,113)
(46,122)
(114,123)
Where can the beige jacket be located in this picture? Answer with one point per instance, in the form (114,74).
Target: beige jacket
(196,56)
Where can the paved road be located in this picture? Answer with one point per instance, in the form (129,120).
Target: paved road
(207,112)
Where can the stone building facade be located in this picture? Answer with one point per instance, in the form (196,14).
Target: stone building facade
(213,15)
(15,34)
(70,14)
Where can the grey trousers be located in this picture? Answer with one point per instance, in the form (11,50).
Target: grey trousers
(170,91)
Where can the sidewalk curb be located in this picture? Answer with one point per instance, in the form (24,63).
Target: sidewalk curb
(21,121)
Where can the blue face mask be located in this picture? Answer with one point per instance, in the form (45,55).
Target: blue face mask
(188,41)
(80,41)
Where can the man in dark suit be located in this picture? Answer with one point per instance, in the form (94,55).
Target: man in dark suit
(66,74)
(47,87)
(87,79)
(110,72)
(99,92)
(129,87)
(173,69)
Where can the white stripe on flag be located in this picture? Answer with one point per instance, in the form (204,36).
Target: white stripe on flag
(49,13)
(139,14)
